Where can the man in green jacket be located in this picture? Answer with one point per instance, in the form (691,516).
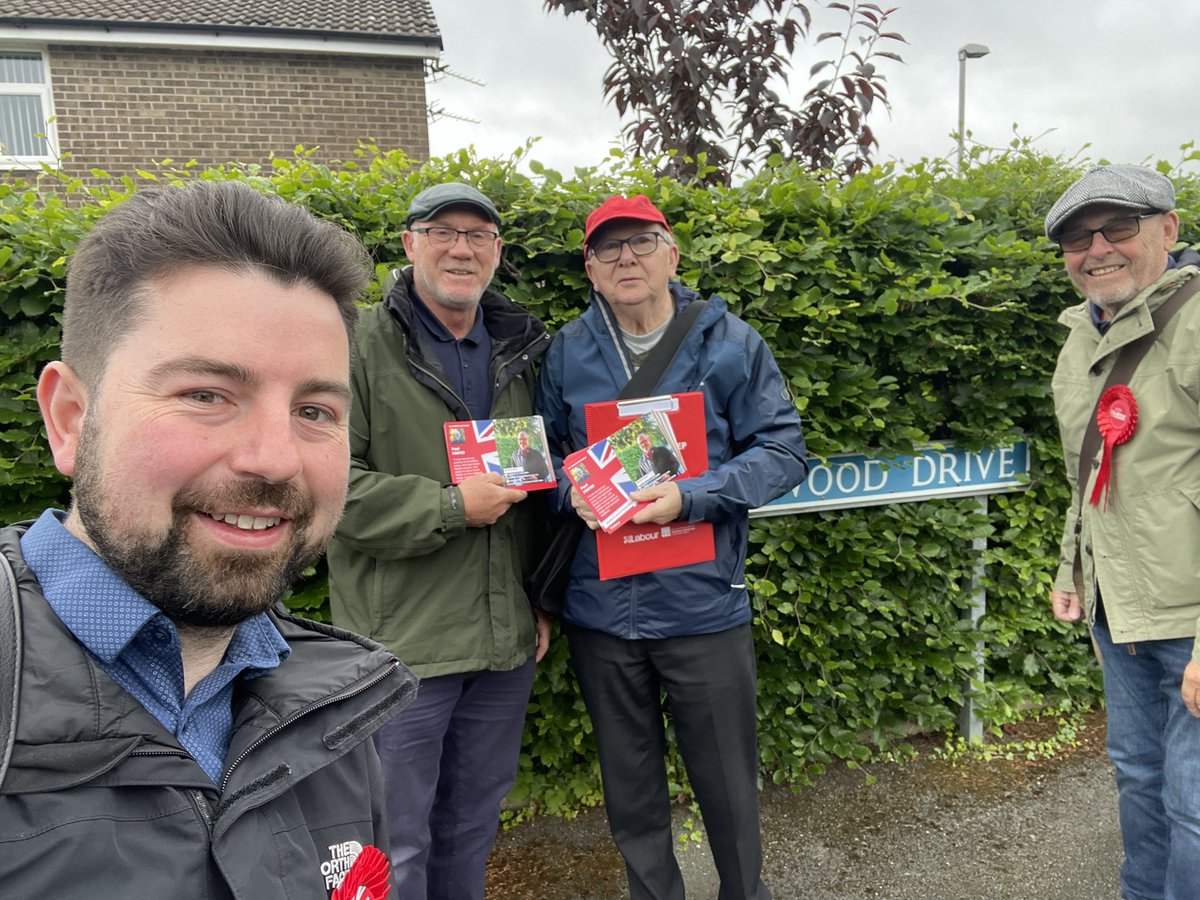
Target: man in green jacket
(1134,521)
(435,571)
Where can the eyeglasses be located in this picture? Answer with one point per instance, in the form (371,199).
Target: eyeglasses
(641,244)
(1114,232)
(444,236)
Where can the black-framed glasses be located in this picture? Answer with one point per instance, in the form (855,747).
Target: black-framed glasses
(1114,232)
(643,244)
(444,236)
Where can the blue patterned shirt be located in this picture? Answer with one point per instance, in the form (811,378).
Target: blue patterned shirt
(138,647)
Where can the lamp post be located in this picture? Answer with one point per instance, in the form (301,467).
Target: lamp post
(965,52)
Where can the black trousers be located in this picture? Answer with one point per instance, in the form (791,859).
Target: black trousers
(709,681)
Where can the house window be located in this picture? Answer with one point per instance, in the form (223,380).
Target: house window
(26,132)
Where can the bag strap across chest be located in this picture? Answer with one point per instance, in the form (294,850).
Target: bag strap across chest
(1128,359)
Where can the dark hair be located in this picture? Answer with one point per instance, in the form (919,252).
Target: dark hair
(226,224)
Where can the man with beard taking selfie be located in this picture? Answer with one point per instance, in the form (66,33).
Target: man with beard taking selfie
(177,733)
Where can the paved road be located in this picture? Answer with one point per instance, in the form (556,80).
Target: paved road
(1000,830)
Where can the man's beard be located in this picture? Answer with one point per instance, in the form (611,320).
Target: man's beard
(1113,305)
(431,292)
(213,589)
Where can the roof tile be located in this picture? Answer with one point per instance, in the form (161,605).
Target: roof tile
(375,18)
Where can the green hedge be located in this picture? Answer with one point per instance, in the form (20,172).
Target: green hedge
(905,306)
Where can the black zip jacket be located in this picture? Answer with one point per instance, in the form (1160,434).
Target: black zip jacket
(102,802)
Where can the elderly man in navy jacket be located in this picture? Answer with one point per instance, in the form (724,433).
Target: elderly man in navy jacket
(685,630)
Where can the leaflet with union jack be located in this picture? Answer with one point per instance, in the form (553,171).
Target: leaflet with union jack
(514,448)
(604,483)
(633,549)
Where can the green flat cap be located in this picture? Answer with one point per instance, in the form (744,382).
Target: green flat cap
(453,193)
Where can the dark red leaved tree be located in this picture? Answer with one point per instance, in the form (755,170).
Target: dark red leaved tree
(697,80)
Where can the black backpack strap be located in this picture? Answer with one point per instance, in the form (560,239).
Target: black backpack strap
(10,663)
(646,378)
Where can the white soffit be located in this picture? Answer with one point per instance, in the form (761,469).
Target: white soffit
(219,39)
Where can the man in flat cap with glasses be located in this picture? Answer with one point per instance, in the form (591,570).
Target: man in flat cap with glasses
(683,631)
(432,570)
(1129,373)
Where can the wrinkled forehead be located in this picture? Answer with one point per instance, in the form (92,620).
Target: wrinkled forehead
(618,229)
(1097,215)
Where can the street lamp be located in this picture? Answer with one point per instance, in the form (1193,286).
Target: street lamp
(965,52)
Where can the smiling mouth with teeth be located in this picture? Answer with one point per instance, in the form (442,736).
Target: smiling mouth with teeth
(247,523)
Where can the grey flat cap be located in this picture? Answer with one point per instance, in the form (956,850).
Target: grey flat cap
(1130,186)
(452,193)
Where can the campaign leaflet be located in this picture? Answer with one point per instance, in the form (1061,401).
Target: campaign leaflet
(633,549)
(642,453)
(514,448)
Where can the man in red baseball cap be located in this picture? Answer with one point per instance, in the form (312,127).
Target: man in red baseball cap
(685,630)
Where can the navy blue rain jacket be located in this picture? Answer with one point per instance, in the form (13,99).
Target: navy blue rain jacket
(755,454)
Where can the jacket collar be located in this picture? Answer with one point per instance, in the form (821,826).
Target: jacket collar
(75,723)
(1134,319)
(602,322)
(507,324)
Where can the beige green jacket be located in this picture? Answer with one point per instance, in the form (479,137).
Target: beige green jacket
(1143,552)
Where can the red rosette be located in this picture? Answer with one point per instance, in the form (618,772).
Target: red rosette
(1116,417)
(367,879)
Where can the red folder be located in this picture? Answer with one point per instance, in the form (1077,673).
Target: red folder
(633,549)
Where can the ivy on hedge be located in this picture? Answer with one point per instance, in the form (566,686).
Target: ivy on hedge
(905,306)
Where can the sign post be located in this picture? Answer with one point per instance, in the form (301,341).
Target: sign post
(852,480)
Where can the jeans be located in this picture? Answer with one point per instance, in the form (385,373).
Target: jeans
(448,760)
(1154,744)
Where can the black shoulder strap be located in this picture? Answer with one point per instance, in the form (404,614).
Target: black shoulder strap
(646,378)
(10,663)
(1128,358)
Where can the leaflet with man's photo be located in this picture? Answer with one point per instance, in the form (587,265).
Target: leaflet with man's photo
(633,549)
(514,448)
(642,453)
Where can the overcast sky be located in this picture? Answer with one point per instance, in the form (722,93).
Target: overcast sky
(1120,75)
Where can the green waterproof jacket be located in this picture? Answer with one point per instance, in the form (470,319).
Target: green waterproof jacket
(404,568)
(1143,551)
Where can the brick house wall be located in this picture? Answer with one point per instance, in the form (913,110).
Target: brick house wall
(119,109)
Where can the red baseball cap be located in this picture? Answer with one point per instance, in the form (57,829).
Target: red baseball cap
(638,208)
